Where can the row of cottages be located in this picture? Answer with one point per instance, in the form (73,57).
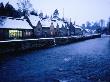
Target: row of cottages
(48,28)
(19,28)
(89,31)
(14,28)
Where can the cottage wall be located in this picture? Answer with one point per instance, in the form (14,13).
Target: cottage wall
(46,32)
(38,30)
(52,30)
(78,31)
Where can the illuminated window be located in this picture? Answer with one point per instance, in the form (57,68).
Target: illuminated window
(15,34)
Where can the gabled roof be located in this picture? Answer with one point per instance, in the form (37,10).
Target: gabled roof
(13,23)
(77,27)
(46,23)
(34,19)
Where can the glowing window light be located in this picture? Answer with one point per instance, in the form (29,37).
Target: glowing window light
(15,33)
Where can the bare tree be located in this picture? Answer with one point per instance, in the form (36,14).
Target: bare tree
(2,20)
(41,15)
(56,14)
(25,6)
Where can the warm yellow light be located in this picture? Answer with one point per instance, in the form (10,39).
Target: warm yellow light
(15,33)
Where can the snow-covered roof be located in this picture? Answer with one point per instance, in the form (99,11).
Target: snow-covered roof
(15,24)
(46,23)
(34,19)
(89,30)
(60,23)
(78,27)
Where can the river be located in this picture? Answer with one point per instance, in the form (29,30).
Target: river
(86,61)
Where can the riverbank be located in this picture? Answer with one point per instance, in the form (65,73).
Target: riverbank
(31,44)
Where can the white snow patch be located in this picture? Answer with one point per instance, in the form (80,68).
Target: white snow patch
(67,59)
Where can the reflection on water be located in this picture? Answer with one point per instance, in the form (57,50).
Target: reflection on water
(87,61)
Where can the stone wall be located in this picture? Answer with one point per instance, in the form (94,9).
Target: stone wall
(30,44)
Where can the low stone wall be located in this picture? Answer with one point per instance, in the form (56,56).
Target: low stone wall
(61,40)
(22,45)
(72,39)
(28,44)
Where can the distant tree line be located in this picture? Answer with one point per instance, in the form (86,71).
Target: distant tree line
(99,26)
